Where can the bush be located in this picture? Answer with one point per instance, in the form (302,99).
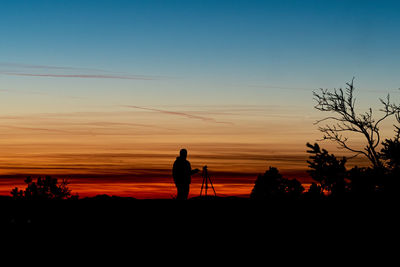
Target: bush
(272,185)
(327,170)
(43,189)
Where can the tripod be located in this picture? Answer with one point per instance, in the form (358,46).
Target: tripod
(206,180)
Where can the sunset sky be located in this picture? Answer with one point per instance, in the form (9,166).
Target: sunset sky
(107,92)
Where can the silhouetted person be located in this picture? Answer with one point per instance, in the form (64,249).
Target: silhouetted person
(182,172)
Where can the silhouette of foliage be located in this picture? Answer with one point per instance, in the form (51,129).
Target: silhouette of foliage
(363,181)
(43,189)
(315,192)
(272,185)
(342,104)
(327,170)
(391,153)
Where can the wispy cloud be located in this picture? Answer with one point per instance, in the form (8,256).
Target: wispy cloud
(121,124)
(9,65)
(46,71)
(34,129)
(90,76)
(178,113)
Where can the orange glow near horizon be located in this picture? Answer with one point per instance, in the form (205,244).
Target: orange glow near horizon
(131,152)
(144,190)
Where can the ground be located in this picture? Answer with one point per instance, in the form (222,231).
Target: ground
(200,212)
(231,228)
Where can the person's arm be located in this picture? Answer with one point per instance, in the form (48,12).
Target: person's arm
(193,171)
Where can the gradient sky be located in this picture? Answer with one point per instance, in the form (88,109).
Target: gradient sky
(107,92)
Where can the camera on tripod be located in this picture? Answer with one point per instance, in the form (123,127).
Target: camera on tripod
(206,182)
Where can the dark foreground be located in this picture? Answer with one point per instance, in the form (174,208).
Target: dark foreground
(207,213)
(231,228)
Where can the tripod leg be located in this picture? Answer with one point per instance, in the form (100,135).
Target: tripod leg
(215,194)
(202,185)
(206,186)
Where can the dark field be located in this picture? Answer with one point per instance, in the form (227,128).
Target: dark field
(207,213)
(237,228)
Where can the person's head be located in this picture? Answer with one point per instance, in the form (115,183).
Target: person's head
(183,153)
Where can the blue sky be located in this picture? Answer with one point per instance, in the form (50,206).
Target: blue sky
(215,47)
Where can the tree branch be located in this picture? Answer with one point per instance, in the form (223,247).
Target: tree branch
(342,104)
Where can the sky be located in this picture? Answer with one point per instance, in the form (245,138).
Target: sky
(107,92)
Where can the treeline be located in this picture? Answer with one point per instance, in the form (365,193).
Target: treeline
(333,180)
(331,177)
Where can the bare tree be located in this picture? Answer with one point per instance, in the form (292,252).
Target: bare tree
(344,119)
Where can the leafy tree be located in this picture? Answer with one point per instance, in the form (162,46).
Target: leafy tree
(391,154)
(363,181)
(43,189)
(293,188)
(272,185)
(314,192)
(327,170)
